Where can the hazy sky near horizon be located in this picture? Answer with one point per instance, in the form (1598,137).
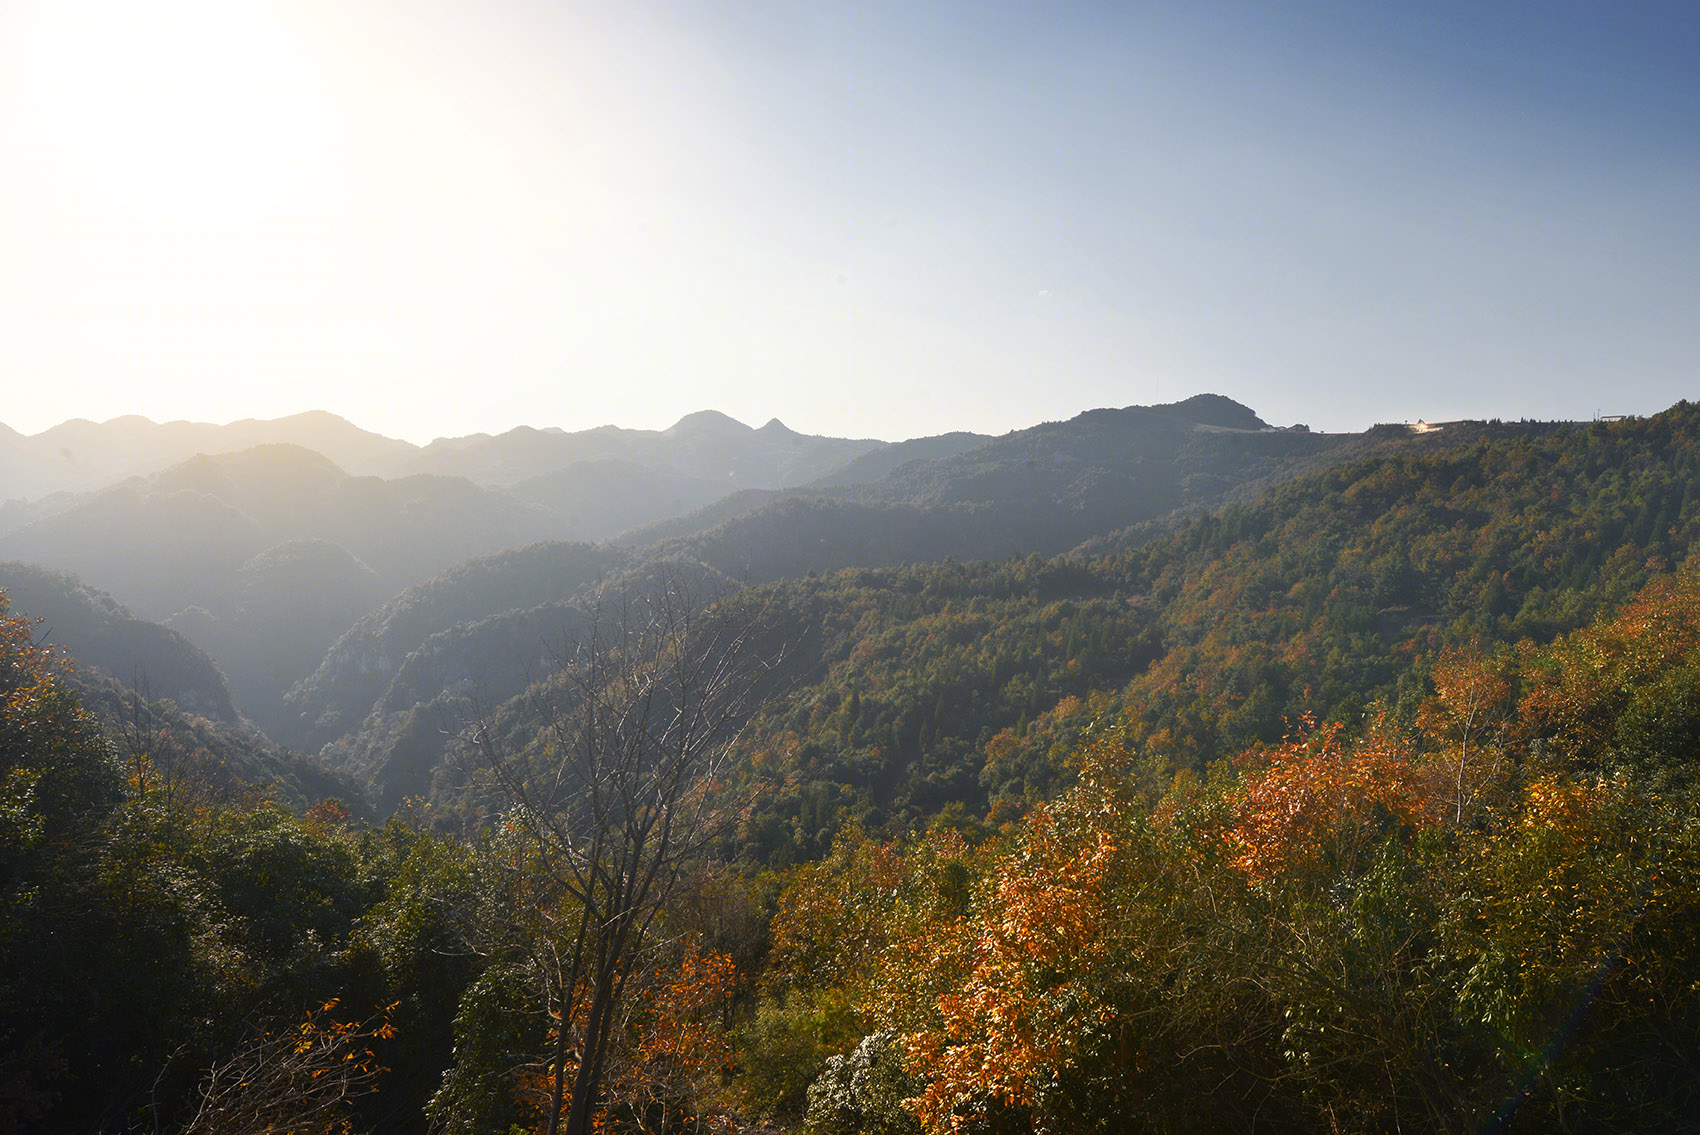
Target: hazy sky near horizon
(875,219)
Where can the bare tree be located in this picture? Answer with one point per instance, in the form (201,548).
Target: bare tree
(140,731)
(624,794)
(293,1080)
(161,757)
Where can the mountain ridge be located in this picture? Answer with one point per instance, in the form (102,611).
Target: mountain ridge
(81,455)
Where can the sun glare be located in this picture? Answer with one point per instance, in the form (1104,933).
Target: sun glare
(177,110)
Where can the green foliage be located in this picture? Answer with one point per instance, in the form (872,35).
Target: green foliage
(922,667)
(56,771)
(149,935)
(495,1032)
(863,1093)
(784,1044)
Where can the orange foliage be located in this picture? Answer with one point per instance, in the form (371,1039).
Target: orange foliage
(327,817)
(675,1038)
(1318,798)
(681,1017)
(1041,949)
(1588,676)
(1467,718)
(1470,696)
(1047,919)
(301,1080)
(1561,805)
(31,678)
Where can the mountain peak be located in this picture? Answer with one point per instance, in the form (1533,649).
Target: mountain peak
(707,421)
(1213,410)
(321,419)
(130,422)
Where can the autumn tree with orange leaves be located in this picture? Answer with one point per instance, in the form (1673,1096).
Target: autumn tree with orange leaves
(1319,800)
(674,1044)
(1467,717)
(1084,992)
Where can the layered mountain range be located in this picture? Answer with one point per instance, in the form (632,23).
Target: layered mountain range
(356,595)
(80,456)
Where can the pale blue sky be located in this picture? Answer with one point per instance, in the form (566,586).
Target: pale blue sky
(887,220)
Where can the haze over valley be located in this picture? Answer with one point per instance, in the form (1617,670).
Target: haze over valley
(754,568)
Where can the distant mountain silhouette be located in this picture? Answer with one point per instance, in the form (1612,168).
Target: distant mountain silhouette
(1210,410)
(178,538)
(702,519)
(598,499)
(80,455)
(879,463)
(597,482)
(264,557)
(284,608)
(706,446)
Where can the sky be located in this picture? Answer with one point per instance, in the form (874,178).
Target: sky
(868,219)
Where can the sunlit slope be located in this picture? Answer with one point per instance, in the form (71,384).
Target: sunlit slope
(946,683)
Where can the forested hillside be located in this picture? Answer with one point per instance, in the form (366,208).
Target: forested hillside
(965,683)
(106,636)
(1287,783)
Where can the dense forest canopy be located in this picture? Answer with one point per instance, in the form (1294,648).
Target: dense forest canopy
(1335,784)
